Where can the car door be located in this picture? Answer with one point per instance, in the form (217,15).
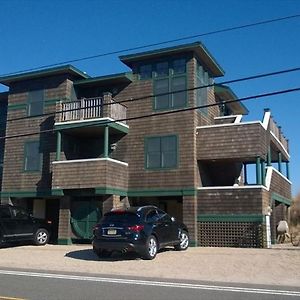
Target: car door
(170,228)
(158,229)
(23,224)
(7,224)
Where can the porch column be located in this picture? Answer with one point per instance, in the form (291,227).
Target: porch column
(106,141)
(64,226)
(245,174)
(190,210)
(263,172)
(58,145)
(269,157)
(287,165)
(258,171)
(279,161)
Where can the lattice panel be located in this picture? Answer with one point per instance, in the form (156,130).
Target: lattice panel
(230,234)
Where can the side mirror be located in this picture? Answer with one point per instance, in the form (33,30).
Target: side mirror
(173,219)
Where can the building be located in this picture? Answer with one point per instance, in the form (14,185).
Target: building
(103,142)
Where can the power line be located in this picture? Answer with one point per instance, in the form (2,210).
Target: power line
(228,29)
(258,96)
(262,75)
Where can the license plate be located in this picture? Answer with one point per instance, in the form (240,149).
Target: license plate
(111,231)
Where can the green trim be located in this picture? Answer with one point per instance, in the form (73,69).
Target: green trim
(146,139)
(25,155)
(58,145)
(196,47)
(97,123)
(64,241)
(162,192)
(106,141)
(193,243)
(50,102)
(230,218)
(26,194)
(66,69)
(57,192)
(106,79)
(281,199)
(110,191)
(18,106)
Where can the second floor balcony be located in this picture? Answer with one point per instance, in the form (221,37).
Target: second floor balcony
(87,109)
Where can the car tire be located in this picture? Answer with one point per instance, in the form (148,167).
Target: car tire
(41,237)
(151,248)
(184,241)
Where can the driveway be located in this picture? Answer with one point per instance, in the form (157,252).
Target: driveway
(278,266)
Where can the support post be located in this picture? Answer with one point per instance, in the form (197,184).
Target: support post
(269,157)
(279,161)
(258,171)
(287,164)
(245,174)
(106,141)
(263,172)
(58,145)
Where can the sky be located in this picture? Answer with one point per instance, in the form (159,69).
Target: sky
(35,33)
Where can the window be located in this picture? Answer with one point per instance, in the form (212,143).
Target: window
(202,79)
(170,78)
(161,152)
(145,71)
(35,103)
(32,156)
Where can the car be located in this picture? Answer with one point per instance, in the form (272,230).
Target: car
(143,230)
(17,224)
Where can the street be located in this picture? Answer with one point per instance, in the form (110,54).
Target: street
(50,286)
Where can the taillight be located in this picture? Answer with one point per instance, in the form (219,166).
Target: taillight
(136,228)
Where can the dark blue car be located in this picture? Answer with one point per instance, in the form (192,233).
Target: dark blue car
(143,230)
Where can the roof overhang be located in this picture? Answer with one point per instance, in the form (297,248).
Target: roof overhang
(66,69)
(108,80)
(225,93)
(197,48)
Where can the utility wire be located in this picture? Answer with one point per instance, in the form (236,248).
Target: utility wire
(159,43)
(162,94)
(258,96)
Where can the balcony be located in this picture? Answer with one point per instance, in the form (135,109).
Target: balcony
(97,173)
(87,109)
(244,141)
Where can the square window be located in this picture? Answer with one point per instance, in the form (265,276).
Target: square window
(162,69)
(179,66)
(145,71)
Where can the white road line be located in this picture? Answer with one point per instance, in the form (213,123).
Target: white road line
(154,283)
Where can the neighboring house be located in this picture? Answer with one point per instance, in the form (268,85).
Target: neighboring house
(193,164)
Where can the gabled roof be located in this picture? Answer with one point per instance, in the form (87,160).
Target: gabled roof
(198,48)
(225,93)
(66,69)
(113,79)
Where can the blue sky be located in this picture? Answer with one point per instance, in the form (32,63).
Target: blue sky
(36,33)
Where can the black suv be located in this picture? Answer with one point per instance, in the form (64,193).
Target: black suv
(144,230)
(16,224)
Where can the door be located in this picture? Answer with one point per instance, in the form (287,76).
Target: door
(170,231)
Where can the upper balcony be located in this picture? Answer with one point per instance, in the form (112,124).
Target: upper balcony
(230,138)
(75,114)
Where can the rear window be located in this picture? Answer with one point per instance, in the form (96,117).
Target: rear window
(121,218)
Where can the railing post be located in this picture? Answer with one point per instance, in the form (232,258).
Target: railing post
(106,141)
(258,171)
(279,161)
(82,109)
(58,145)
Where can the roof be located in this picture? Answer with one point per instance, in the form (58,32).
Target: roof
(112,79)
(66,69)
(225,93)
(198,48)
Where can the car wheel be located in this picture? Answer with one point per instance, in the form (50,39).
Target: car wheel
(151,248)
(184,241)
(41,237)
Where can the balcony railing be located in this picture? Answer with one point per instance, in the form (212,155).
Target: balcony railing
(276,130)
(91,108)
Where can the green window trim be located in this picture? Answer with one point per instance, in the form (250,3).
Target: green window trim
(231,218)
(26,167)
(160,153)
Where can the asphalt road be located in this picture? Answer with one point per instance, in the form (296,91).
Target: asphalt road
(37,286)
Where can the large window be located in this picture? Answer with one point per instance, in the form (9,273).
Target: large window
(32,161)
(202,79)
(35,103)
(161,152)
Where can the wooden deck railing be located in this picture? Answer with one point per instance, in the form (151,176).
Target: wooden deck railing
(276,130)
